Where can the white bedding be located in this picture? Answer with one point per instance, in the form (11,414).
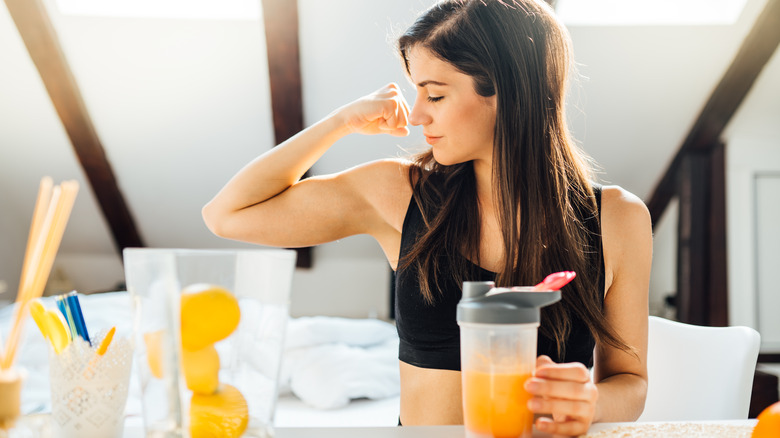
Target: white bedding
(335,371)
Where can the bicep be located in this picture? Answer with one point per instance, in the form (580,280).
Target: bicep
(312,211)
(627,234)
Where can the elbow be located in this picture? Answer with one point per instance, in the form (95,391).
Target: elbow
(623,400)
(214,219)
(641,397)
(637,396)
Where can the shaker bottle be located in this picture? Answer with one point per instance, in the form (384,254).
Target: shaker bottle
(498,328)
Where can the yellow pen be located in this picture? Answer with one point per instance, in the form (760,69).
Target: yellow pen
(51,325)
(106,341)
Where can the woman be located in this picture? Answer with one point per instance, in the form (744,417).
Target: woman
(502,194)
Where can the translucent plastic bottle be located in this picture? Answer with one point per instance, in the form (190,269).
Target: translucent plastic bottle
(498,330)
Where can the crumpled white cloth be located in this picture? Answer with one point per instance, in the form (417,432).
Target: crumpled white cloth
(329,361)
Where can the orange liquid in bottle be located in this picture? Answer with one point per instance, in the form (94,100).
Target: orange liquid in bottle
(496,405)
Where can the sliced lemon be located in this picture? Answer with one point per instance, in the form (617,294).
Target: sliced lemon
(223,414)
(209,314)
(153,341)
(201,369)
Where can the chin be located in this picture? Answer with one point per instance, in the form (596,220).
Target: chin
(443,159)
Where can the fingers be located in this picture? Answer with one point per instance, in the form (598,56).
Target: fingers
(562,409)
(395,116)
(575,372)
(562,428)
(384,111)
(564,391)
(543,360)
(400,132)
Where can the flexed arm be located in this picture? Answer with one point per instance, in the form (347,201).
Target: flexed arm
(265,202)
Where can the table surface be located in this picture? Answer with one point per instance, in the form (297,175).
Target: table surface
(433,431)
(134,429)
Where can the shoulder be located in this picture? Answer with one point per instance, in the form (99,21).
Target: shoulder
(386,170)
(384,185)
(626,228)
(378,179)
(619,203)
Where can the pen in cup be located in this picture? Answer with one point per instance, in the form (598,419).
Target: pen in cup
(78,316)
(106,341)
(71,310)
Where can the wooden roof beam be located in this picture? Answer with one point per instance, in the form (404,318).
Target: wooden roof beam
(284,70)
(756,50)
(40,38)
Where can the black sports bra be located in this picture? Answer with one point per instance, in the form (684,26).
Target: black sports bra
(429,333)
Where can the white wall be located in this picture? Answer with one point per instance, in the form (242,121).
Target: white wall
(663,276)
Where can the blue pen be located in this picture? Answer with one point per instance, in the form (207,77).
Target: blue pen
(78,316)
(65,310)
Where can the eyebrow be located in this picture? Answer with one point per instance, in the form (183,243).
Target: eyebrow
(430,82)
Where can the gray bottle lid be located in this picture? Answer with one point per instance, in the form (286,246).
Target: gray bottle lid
(484,303)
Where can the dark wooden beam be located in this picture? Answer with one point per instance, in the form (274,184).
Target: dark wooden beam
(717,254)
(702,283)
(755,52)
(37,32)
(281,35)
(692,275)
(280,18)
(764,392)
(769,358)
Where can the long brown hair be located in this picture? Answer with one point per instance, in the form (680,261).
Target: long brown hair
(520,52)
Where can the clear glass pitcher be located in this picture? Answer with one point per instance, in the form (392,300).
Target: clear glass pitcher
(498,330)
(209,335)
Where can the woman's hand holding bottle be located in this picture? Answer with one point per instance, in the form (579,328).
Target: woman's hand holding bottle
(566,393)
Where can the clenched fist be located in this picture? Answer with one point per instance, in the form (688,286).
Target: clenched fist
(384,111)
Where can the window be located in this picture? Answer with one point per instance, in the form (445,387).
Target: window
(188,9)
(649,12)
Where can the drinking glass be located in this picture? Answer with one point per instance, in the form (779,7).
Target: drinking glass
(248,359)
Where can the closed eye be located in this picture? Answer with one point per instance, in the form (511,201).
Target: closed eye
(435,99)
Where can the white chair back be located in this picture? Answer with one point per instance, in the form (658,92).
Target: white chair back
(698,373)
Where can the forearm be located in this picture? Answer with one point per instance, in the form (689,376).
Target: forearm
(276,170)
(621,398)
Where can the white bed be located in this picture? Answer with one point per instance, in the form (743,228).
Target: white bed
(336,372)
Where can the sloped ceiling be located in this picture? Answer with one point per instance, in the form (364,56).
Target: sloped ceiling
(180,105)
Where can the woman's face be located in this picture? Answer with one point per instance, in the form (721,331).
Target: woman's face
(456,121)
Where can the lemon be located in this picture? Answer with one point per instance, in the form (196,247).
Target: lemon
(201,369)
(223,414)
(153,341)
(209,314)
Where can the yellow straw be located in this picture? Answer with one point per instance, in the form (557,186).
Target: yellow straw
(39,258)
(42,205)
(42,217)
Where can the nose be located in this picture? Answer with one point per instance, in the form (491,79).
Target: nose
(419,115)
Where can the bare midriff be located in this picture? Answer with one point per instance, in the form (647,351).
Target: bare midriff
(430,396)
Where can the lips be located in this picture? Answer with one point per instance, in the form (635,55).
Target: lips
(432,139)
